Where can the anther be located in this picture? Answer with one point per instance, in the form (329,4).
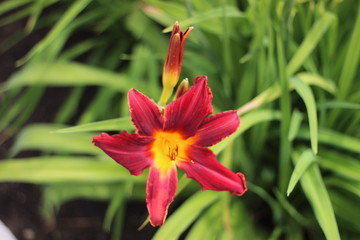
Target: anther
(173,153)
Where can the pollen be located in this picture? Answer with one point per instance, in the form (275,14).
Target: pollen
(168,148)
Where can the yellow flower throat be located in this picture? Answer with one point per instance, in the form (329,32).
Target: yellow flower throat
(169,147)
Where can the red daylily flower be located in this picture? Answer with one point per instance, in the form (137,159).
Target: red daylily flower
(176,137)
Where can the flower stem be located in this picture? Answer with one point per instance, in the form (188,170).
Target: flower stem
(165,95)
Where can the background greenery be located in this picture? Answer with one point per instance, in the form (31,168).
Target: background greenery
(291,68)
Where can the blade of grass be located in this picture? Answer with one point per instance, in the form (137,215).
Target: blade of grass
(351,63)
(344,184)
(315,191)
(60,26)
(201,229)
(346,208)
(106,125)
(185,214)
(285,145)
(310,42)
(338,104)
(29,108)
(231,12)
(262,193)
(295,124)
(317,80)
(307,96)
(274,91)
(117,202)
(37,8)
(70,106)
(16,16)
(341,164)
(333,138)
(291,209)
(303,163)
(95,109)
(79,49)
(65,74)
(31,96)
(10,5)
(45,170)
(40,137)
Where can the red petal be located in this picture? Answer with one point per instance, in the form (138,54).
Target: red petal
(216,128)
(160,192)
(130,150)
(187,112)
(144,113)
(211,174)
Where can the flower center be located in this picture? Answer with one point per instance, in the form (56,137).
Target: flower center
(167,148)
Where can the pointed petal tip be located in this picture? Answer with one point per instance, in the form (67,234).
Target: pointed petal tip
(203,79)
(157,222)
(160,193)
(210,173)
(243,185)
(129,150)
(96,139)
(132,91)
(176,28)
(217,127)
(243,188)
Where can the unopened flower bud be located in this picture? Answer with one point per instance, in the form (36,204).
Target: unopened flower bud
(173,61)
(182,88)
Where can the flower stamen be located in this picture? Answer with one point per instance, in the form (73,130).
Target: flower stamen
(173,152)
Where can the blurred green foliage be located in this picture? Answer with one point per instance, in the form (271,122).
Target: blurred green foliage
(255,53)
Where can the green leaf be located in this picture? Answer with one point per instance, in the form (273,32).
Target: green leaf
(310,42)
(44,170)
(307,96)
(10,5)
(333,138)
(116,124)
(303,163)
(56,194)
(317,80)
(347,210)
(18,112)
(185,215)
(315,191)
(70,106)
(201,229)
(116,204)
(167,11)
(341,164)
(41,137)
(341,183)
(273,204)
(274,91)
(228,11)
(295,124)
(20,14)
(291,209)
(58,29)
(338,104)
(285,109)
(351,63)
(64,74)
